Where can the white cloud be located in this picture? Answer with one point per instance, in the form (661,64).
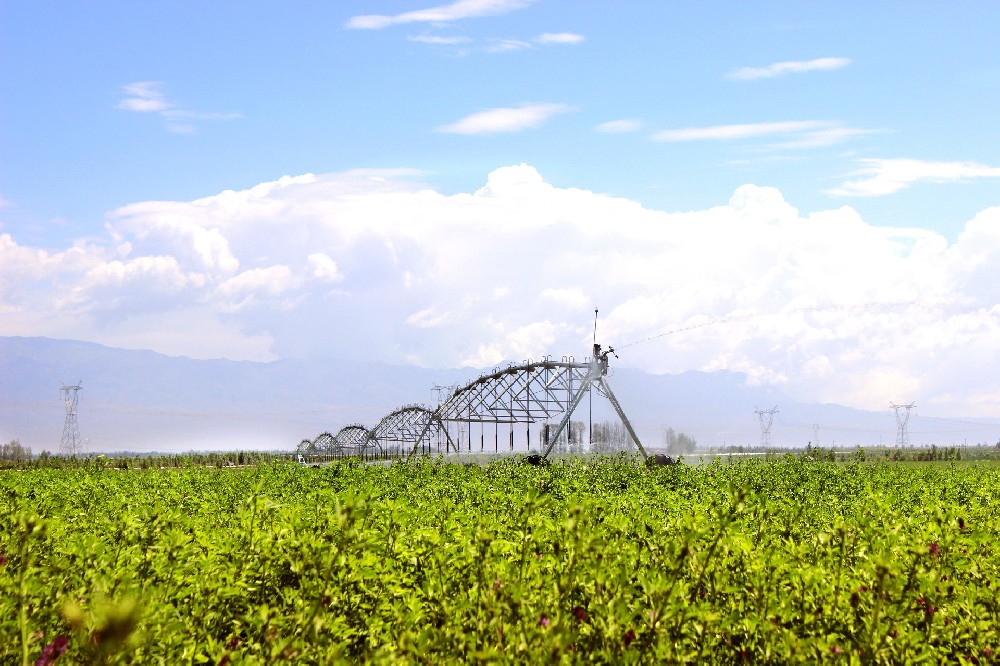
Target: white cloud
(559,38)
(324,268)
(144,97)
(791,67)
(506,45)
(434,39)
(508,119)
(793,134)
(455,11)
(824,304)
(887,176)
(741,131)
(147,97)
(620,126)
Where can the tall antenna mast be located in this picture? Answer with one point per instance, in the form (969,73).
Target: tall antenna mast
(902,420)
(71,444)
(765,424)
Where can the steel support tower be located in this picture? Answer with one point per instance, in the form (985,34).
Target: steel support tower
(766,417)
(902,421)
(72,443)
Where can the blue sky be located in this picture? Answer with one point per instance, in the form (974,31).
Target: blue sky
(267,89)
(142,147)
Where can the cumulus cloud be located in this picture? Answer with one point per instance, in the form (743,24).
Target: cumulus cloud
(879,177)
(790,67)
(455,11)
(507,119)
(379,265)
(147,97)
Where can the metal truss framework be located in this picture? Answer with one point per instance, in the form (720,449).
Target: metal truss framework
(533,392)
(405,429)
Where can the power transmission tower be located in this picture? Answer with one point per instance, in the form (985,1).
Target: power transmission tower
(766,417)
(71,444)
(816,434)
(902,419)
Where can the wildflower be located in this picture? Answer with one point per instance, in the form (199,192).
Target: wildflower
(835,650)
(53,651)
(862,588)
(934,549)
(3,559)
(987,652)
(543,621)
(580,614)
(497,585)
(628,637)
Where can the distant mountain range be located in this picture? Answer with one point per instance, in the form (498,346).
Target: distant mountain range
(144,401)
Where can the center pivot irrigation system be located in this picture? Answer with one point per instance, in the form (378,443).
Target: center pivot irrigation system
(535,392)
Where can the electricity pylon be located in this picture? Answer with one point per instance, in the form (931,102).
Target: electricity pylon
(71,444)
(765,424)
(902,419)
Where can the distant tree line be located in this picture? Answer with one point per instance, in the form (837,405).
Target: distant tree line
(678,443)
(14,451)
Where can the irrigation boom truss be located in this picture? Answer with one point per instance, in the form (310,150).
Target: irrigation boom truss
(533,392)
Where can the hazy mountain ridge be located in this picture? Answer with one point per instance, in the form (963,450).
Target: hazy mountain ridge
(142,400)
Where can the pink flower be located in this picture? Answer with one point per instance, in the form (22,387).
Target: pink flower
(497,585)
(580,614)
(3,559)
(543,621)
(934,549)
(53,651)
(834,649)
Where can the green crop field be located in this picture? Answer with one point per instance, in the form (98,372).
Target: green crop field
(427,562)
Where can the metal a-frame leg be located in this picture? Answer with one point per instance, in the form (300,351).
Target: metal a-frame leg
(621,414)
(427,426)
(584,387)
(569,413)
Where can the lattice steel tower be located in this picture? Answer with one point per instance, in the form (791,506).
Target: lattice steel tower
(902,420)
(766,417)
(71,444)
